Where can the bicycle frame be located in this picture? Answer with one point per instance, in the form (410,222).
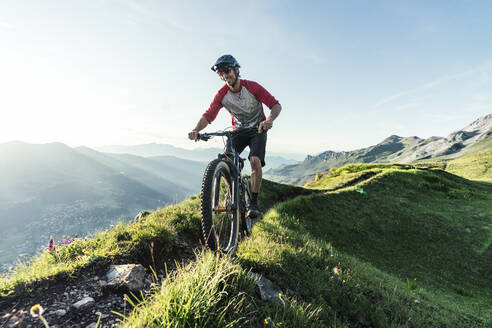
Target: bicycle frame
(234,164)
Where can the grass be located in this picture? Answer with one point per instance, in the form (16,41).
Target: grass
(215,291)
(408,252)
(351,174)
(412,250)
(377,245)
(477,166)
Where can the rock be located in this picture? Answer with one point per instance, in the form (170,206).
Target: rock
(59,313)
(268,291)
(88,301)
(92,325)
(127,276)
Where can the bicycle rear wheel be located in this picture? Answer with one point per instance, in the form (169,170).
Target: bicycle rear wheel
(219,219)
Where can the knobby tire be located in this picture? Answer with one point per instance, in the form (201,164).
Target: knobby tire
(220,230)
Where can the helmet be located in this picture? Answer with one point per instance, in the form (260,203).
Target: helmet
(225,61)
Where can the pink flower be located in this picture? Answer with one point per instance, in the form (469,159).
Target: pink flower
(51,245)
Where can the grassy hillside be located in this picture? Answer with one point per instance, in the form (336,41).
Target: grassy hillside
(477,166)
(381,246)
(405,246)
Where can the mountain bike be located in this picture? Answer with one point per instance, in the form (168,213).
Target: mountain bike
(225,195)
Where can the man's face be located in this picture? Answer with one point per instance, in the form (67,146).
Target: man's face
(228,75)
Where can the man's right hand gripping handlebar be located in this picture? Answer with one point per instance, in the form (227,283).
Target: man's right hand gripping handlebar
(193,135)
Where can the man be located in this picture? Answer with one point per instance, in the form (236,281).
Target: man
(243,100)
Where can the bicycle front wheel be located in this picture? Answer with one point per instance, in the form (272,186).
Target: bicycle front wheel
(219,218)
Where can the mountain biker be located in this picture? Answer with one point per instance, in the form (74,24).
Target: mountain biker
(243,100)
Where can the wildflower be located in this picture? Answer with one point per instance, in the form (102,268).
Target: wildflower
(344,281)
(35,308)
(51,244)
(280,295)
(266,321)
(39,309)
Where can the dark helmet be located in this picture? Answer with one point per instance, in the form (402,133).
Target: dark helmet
(224,62)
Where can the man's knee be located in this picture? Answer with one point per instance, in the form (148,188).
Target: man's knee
(255,162)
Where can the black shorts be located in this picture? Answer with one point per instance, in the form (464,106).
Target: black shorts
(256,142)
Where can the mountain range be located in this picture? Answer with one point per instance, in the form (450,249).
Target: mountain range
(272,159)
(474,137)
(52,189)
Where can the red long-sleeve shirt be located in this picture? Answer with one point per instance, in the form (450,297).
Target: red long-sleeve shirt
(245,106)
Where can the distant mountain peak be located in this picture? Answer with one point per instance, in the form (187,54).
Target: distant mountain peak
(391,139)
(473,137)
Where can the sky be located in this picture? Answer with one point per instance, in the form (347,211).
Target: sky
(347,73)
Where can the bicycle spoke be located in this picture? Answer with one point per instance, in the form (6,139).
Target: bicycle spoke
(222,217)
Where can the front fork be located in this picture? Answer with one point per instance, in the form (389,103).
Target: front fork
(235,190)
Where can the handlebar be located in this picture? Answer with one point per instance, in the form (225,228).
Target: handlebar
(228,134)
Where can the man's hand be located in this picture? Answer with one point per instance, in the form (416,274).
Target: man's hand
(193,135)
(202,123)
(265,126)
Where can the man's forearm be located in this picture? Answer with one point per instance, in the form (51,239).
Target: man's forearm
(274,112)
(202,123)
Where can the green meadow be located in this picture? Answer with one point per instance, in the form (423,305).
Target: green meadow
(367,245)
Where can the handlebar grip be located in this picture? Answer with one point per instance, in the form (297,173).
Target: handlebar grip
(203,137)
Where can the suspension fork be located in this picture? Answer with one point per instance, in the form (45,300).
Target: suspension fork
(235,188)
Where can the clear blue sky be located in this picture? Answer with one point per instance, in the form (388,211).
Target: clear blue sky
(347,73)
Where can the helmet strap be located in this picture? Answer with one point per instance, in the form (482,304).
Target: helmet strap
(237,76)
